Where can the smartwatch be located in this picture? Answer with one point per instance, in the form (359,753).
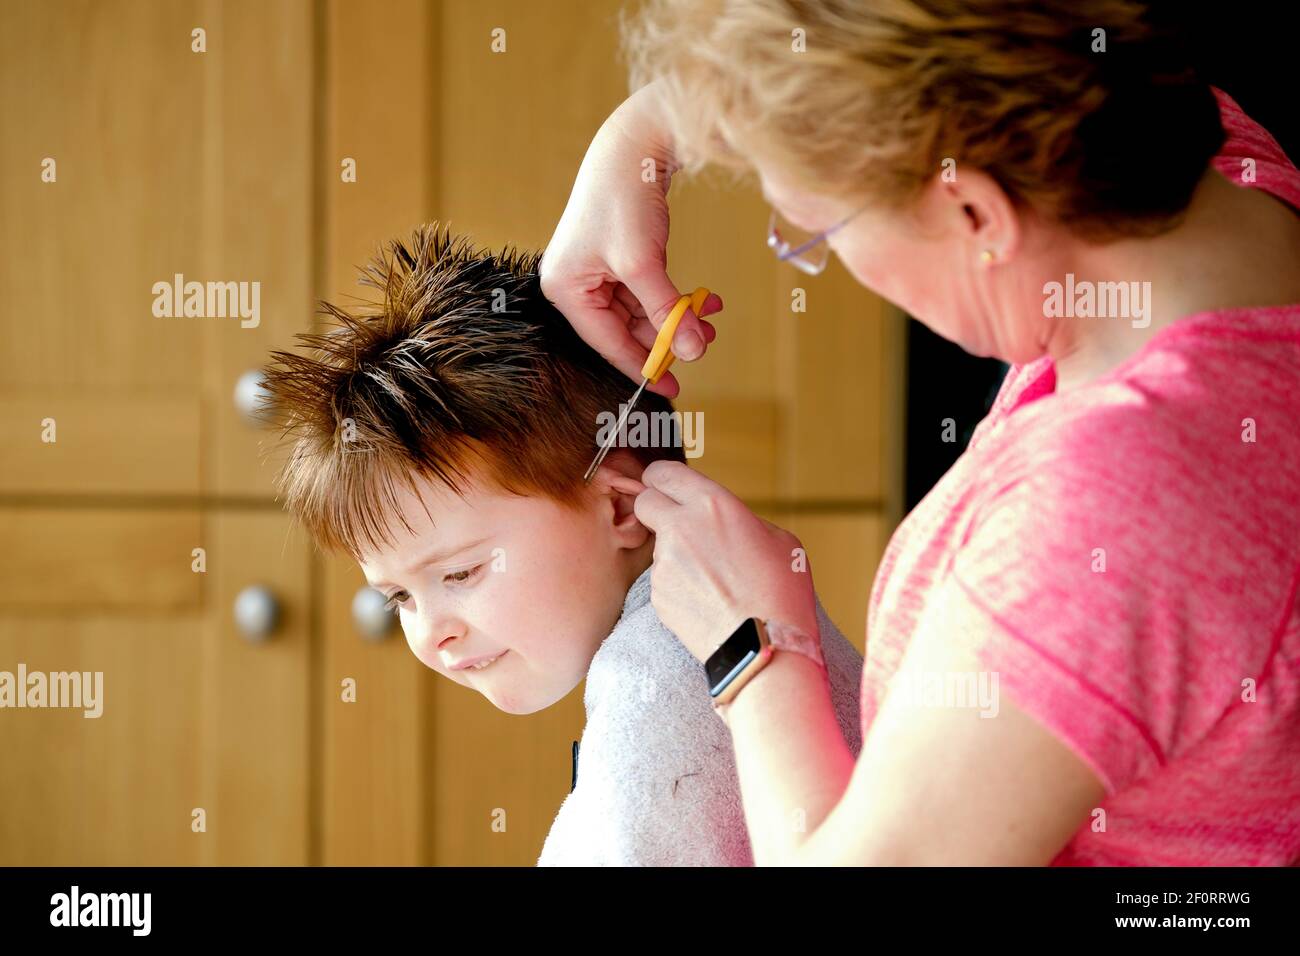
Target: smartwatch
(747,651)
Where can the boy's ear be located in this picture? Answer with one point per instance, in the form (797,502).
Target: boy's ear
(618,480)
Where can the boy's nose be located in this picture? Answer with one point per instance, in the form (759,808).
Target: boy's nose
(429,637)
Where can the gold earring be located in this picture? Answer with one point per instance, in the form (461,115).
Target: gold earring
(986,255)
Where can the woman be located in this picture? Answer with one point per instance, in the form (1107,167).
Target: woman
(1118,551)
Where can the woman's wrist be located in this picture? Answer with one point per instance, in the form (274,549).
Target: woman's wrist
(783,640)
(646,121)
(785,677)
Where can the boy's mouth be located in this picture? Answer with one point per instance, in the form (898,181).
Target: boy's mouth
(479,663)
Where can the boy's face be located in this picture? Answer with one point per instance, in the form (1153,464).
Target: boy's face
(523,586)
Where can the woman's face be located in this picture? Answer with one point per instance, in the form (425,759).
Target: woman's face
(927,259)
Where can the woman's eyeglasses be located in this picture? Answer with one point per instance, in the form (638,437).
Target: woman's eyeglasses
(806,254)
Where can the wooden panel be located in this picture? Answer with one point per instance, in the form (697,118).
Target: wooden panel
(831,369)
(114,790)
(255,740)
(193,716)
(375,808)
(493,765)
(111,92)
(259,163)
(893,417)
(513,126)
(105,443)
(380,113)
(835,359)
(717,240)
(169,162)
(72,562)
(740,443)
(376,754)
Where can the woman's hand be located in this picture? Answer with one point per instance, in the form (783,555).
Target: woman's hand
(605,267)
(716,562)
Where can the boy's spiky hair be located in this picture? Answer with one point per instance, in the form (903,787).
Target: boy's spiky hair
(462,370)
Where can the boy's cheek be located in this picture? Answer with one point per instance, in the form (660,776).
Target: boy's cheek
(436,666)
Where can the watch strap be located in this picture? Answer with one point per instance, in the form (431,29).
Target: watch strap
(784,637)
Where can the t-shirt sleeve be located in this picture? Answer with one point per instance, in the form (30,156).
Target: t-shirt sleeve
(1075,583)
(1032,612)
(1250,156)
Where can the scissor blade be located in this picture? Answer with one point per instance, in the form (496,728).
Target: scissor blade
(613,436)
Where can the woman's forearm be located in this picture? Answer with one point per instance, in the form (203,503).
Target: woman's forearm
(793,763)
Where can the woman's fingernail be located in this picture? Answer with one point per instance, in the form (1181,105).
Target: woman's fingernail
(689,345)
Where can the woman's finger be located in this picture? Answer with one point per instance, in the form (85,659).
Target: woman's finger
(679,482)
(626,484)
(643,332)
(654,509)
(625,296)
(711,305)
(657,296)
(607,333)
(621,311)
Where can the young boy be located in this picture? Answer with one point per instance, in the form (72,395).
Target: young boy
(440,437)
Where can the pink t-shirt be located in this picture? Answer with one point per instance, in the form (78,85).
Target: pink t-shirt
(1174,673)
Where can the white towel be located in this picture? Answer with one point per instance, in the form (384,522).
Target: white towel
(656,781)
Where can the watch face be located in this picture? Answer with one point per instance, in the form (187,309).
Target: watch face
(732,657)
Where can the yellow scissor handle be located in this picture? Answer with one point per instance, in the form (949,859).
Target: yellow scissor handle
(661,356)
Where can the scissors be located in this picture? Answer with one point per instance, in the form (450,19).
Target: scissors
(661,356)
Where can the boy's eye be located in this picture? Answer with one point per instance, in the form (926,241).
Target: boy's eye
(460,577)
(395,599)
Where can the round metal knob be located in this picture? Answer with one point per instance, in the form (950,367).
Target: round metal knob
(251,397)
(373,621)
(257,613)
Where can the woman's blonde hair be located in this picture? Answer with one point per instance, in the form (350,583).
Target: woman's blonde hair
(1083,109)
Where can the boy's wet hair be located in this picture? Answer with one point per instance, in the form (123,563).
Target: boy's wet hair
(463,370)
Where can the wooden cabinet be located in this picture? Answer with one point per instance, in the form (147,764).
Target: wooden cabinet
(225,166)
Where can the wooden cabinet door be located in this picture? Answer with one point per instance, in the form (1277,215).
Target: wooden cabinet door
(129,156)
(199,752)
(127,159)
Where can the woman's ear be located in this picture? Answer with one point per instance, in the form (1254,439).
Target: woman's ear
(618,482)
(985,214)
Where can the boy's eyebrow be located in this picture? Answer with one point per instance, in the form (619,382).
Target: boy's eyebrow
(434,557)
(446,553)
